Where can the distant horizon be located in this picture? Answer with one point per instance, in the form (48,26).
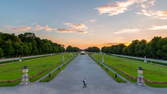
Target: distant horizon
(86,23)
(84,46)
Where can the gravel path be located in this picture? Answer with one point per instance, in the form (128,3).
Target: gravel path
(69,81)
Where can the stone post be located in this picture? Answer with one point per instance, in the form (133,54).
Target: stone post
(140,80)
(145,59)
(25,78)
(20,59)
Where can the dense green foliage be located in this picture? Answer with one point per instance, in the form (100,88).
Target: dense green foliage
(117,49)
(156,48)
(72,49)
(1,52)
(93,49)
(26,44)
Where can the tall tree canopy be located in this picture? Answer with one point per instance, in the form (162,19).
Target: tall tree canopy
(72,49)
(156,48)
(93,49)
(26,44)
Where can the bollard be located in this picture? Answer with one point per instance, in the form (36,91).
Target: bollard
(25,78)
(20,59)
(145,59)
(140,77)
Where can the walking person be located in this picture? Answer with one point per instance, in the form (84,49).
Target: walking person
(84,84)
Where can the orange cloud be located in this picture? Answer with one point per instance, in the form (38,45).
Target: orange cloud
(65,30)
(82,28)
(45,28)
(133,30)
(31,28)
(20,28)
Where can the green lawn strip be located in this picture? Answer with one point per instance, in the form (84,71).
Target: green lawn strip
(23,59)
(152,71)
(55,73)
(10,61)
(111,74)
(156,85)
(153,62)
(14,70)
(66,57)
(5,84)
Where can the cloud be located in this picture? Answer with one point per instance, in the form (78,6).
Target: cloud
(160,27)
(146,3)
(44,28)
(119,7)
(20,28)
(31,28)
(65,30)
(123,31)
(160,14)
(82,28)
(115,8)
(92,20)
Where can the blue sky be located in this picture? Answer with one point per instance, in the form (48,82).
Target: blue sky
(85,23)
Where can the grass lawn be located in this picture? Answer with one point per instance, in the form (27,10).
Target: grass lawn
(153,72)
(13,71)
(55,73)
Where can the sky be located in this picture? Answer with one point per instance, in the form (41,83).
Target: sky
(85,23)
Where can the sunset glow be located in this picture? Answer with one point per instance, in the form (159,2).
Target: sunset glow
(88,22)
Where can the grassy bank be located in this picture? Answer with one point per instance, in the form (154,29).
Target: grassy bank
(37,68)
(55,73)
(152,72)
(111,74)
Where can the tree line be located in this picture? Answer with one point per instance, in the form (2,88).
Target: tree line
(26,44)
(156,48)
(92,49)
(72,49)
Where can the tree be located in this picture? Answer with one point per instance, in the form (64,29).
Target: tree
(93,49)
(8,48)
(26,44)
(1,52)
(72,49)
(156,48)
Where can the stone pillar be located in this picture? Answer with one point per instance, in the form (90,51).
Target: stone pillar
(20,59)
(25,78)
(145,59)
(140,80)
